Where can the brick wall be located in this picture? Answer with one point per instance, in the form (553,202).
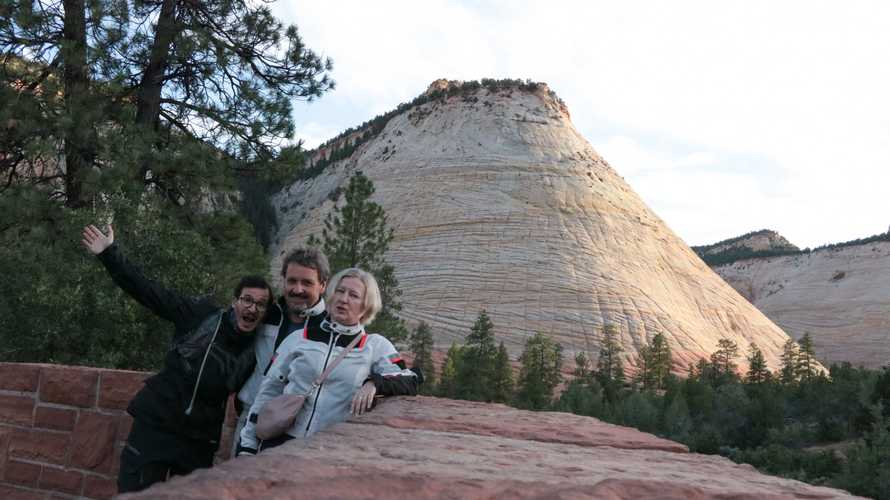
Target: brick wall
(62,429)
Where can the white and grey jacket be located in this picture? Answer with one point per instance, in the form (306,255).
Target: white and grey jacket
(304,354)
(269,336)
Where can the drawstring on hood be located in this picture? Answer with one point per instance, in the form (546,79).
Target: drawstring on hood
(188,411)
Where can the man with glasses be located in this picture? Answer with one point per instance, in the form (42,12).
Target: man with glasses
(179,413)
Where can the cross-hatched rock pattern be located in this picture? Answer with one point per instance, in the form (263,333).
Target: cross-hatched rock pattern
(498,203)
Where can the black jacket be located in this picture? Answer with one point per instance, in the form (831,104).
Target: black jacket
(169,400)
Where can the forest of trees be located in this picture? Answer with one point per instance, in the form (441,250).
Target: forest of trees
(798,422)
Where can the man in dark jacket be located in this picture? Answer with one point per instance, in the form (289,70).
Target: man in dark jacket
(178,414)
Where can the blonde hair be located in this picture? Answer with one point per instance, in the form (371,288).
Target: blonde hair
(371,304)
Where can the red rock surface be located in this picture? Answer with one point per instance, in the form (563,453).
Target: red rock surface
(439,448)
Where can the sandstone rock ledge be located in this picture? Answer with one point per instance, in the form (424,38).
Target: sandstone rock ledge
(439,448)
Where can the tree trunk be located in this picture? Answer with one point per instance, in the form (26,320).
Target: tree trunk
(148,106)
(80,140)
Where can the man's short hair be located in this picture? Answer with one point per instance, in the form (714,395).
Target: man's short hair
(253,281)
(311,258)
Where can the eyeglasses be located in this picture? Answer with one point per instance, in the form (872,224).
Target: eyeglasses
(248,301)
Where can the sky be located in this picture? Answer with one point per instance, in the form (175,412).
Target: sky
(725,117)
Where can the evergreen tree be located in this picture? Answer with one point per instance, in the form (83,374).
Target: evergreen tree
(677,422)
(422,347)
(356,234)
(582,398)
(609,368)
(582,369)
(655,360)
(182,93)
(503,377)
(638,410)
(723,359)
(788,371)
(866,471)
(540,373)
(806,367)
(476,369)
(448,380)
(758,372)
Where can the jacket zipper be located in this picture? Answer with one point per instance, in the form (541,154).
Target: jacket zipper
(188,411)
(318,391)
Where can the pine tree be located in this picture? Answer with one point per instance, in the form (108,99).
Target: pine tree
(356,234)
(475,371)
(503,377)
(866,471)
(758,372)
(723,359)
(448,380)
(788,372)
(806,359)
(582,369)
(183,94)
(656,363)
(609,368)
(422,347)
(540,373)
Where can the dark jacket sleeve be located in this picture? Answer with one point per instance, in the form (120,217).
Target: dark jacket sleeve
(185,313)
(394,385)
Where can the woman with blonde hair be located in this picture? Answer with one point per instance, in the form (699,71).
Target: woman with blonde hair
(369,364)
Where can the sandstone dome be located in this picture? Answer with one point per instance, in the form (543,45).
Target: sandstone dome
(497,202)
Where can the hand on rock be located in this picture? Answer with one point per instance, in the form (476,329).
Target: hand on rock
(364,398)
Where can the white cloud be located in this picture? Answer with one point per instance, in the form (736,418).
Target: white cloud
(786,101)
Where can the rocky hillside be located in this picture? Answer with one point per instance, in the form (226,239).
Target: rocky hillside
(839,294)
(499,203)
(763,243)
(439,448)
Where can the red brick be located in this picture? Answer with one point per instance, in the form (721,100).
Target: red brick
(99,487)
(43,446)
(16,409)
(116,459)
(19,377)
(117,388)
(65,481)
(94,438)
(60,419)
(69,386)
(12,493)
(124,424)
(22,473)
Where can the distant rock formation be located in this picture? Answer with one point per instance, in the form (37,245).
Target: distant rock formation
(840,295)
(427,448)
(763,243)
(498,203)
